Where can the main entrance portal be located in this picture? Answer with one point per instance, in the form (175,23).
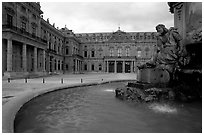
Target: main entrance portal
(119,66)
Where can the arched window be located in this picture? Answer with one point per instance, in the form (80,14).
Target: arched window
(127,51)
(119,52)
(111,51)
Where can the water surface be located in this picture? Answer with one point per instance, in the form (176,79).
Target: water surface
(94,109)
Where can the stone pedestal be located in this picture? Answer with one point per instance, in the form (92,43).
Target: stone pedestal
(153,75)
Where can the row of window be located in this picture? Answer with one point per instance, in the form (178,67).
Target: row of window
(131,37)
(119,53)
(74,51)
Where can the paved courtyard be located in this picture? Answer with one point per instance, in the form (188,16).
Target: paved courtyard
(18,86)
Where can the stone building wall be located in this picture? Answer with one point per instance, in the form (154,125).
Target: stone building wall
(33,46)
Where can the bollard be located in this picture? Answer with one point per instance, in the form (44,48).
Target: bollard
(81,81)
(62,80)
(43,80)
(102,80)
(26,80)
(9,80)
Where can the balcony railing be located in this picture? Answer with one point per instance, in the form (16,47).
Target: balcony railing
(23,32)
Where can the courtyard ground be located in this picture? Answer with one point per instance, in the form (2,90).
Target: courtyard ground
(16,87)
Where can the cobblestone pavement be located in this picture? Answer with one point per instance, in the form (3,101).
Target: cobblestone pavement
(18,86)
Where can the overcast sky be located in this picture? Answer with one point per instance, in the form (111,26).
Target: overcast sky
(89,17)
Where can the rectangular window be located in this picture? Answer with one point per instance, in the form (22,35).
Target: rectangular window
(59,65)
(67,67)
(23,26)
(100,67)
(92,67)
(34,30)
(139,53)
(85,54)
(92,53)
(67,51)
(9,20)
(85,67)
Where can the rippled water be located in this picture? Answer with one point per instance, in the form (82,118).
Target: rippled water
(94,109)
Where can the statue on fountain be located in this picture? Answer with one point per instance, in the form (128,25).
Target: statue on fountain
(168,56)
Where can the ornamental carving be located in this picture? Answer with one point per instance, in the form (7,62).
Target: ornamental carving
(179,11)
(119,36)
(24,18)
(194,36)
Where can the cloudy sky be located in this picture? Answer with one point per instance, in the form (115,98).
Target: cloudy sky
(91,17)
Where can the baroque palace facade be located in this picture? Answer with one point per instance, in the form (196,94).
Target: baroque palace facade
(33,46)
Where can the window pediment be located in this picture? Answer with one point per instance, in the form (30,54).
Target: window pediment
(10,10)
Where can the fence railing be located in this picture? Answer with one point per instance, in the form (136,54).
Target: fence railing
(24,32)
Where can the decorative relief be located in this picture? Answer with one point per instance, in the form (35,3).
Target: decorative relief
(179,11)
(194,36)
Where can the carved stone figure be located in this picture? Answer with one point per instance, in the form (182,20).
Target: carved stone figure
(169,50)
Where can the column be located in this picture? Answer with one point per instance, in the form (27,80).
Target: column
(9,55)
(75,64)
(24,57)
(43,64)
(131,67)
(104,66)
(35,59)
(123,66)
(56,65)
(80,66)
(115,68)
(107,67)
